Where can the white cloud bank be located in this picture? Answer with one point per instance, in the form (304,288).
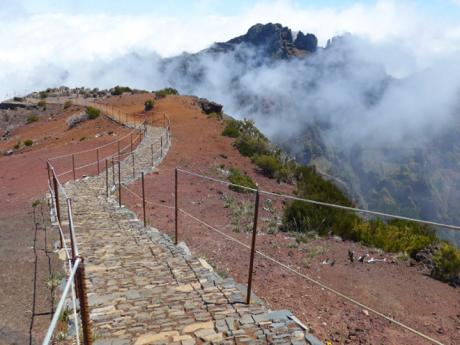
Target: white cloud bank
(43,50)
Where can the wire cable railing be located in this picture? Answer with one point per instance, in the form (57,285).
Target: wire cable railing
(283,265)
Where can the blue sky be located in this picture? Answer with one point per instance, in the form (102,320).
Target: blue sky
(447,8)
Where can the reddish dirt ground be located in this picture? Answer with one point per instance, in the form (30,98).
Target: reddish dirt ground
(26,242)
(392,287)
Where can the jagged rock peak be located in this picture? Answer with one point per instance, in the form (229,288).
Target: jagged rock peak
(275,39)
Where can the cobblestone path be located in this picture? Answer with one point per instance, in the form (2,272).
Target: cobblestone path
(143,289)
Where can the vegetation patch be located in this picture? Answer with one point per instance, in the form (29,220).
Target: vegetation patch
(165,92)
(28,142)
(32,118)
(42,103)
(241,179)
(67,104)
(148,105)
(93,113)
(119,90)
(231,129)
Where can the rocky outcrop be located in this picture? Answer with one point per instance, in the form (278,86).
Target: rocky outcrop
(209,107)
(307,42)
(275,40)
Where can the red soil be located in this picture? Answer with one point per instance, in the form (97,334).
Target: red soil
(23,178)
(393,287)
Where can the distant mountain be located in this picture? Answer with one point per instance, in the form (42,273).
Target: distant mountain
(337,109)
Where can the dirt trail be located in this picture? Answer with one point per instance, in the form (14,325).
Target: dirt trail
(393,287)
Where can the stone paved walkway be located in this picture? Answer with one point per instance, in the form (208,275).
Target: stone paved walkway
(145,290)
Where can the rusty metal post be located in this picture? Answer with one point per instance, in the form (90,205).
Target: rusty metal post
(73,166)
(253,247)
(143,199)
(134,171)
(131,136)
(107,177)
(161,146)
(56,198)
(58,209)
(97,157)
(49,172)
(85,320)
(118,149)
(113,172)
(176,208)
(119,184)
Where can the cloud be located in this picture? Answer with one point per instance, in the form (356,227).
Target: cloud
(39,50)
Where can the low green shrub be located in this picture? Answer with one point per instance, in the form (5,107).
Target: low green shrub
(268,165)
(42,103)
(32,118)
(236,177)
(92,112)
(214,115)
(67,104)
(148,105)
(119,90)
(28,142)
(231,129)
(165,92)
(446,263)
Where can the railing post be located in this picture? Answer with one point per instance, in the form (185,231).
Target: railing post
(56,198)
(113,172)
(118,149)
(107,177)
(131,136)
(73,166)
(85,320)
(58,209)
(49,172)
(143,199)
(253,247)
(161,146)
(151,149)
(176,207)
(97,157)
(134,171)
(119,184)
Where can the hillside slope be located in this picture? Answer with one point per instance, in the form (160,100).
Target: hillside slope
(393,285)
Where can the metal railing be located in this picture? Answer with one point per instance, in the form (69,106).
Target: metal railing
(76,281)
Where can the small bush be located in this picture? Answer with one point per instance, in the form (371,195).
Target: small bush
(236,177)
(249,146)
(214,115)
(165,92)
(231,129)
(67,104)
(268,165)
(446,263)
(18,145)
(43,94)
(82,138)
(118,90)
(28,142)
(42,103)
(32,118)
(18,99)
(148,105)
(93,113)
